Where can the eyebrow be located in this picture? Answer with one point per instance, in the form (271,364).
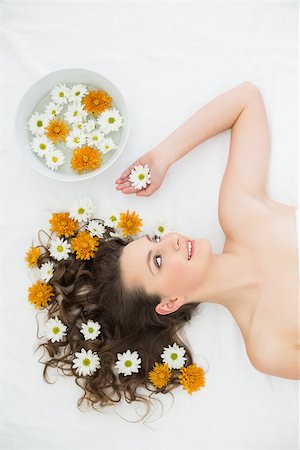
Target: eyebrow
(149,254)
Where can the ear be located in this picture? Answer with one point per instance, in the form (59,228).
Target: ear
(170,305)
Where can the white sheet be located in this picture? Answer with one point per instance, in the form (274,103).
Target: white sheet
(168,59)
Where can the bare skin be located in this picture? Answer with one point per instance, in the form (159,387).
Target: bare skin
(257,275)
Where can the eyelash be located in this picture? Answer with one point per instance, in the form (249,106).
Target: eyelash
(155,260)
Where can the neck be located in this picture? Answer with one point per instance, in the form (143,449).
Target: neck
(229,282)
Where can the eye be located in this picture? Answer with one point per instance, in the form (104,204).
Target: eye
(155,237)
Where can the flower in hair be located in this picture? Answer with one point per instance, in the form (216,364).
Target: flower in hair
(32,255)
(192,378)
(140,176)
(160,375)
(90,330)
(63,224)
(95,228)
(87,362)
(128,362)
(130,223)
(173,355)
(82,210)
(84,245)
(55,330)
(60,249)
(111,218)
(46,271)
(39,294)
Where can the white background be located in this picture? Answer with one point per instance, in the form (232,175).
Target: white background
(168,59)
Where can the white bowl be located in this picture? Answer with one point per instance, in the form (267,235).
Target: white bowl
(35,99)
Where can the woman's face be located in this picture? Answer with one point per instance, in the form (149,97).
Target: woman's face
(161,265)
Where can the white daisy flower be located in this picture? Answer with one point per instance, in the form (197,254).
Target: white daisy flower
(54,159)
(86,362)
(90,125)
(79,126)
(53,109)
(82,210)
(110,120)
(60,249)
(41,145)
(128,362)
(75,138)
(111,218)
(173,355)
(59,94)
(161,227)
(77,92)
(37,123)
(95,228)
(46,271)
(106,145)
(55,330)
(94,138)
(140,176)
(90,330)
(75,112)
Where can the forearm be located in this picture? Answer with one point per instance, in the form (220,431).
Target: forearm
(214,117)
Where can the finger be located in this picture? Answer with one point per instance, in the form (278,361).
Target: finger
(129,190)
(123,185)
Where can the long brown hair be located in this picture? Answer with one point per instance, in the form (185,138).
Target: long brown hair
(93,289)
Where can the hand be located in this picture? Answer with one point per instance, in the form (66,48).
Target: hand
(158,167)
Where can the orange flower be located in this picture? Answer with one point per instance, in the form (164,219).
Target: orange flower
(85,158)
(63,224)
(160,375)
(32,255)
(84,244)
(57,130)
(130,223)
(39,294)
(96,102)
(192,378)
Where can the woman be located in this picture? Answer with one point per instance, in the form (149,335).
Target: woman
(257,276)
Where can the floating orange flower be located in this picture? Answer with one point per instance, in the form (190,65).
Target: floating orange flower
(96,102)
(160,375)
(85,158)
(84,245)
(57,130)
(63,224)
(39,294)
(130,223)
(192,378)
(32,255)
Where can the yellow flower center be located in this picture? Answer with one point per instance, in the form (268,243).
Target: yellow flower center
(64,222)
(91,330)
(111,120)
(80,210)
(56,130)
(77,93)
(55,330)
(61,94)
(85,158)
(128,363)
(42,146)
(86,361)
(174,356)
(95,138)
(60,248)
(76,139)
(141,176)
(53,112)
(54,158)
(96,101)
(161,228)
(75,113)
(39,123)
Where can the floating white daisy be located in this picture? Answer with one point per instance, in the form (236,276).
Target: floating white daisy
(41,145)
(90,125)
(95,228)
(55,330)
(128,362)
(110,120)
(161,227)
(77,92)
(53,109)
(140,176)
(54,159)
(86,362)
(90,330)
(60,249)
(82,209)
(37,123)
(173,355)
(106,145)
(75,113)
(94,138)
(75,138)
(111,219)
(79,126)
(59,94)
(46,271)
